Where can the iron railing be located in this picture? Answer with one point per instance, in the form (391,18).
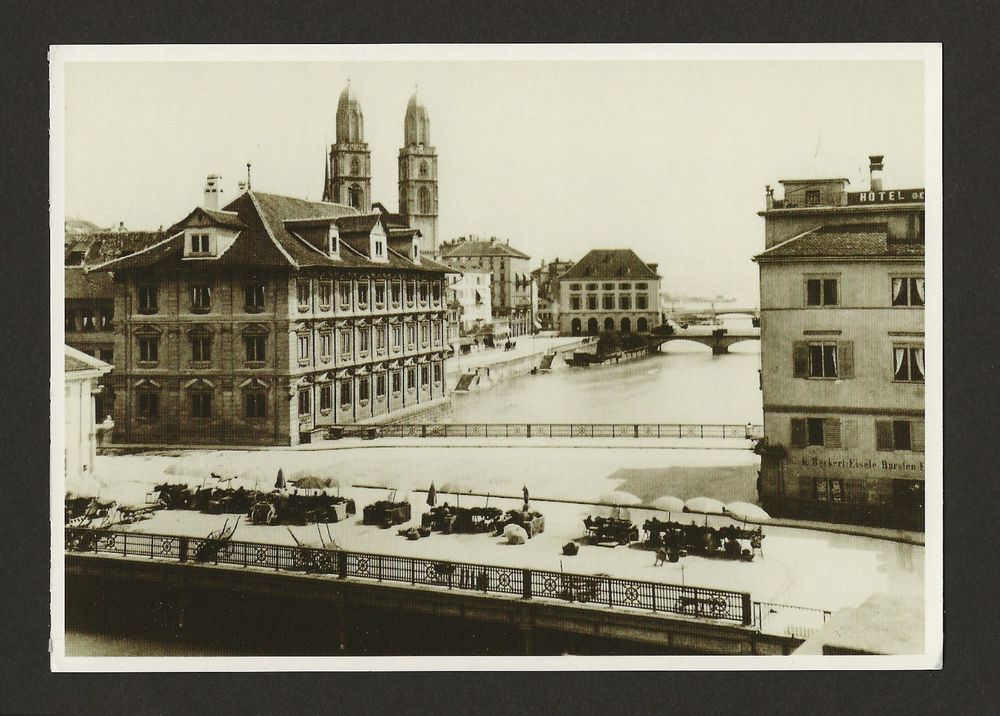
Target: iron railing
(697,602)
(549,430)
(799,622)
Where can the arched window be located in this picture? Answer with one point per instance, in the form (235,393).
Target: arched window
(642,325)
(609,324)
(592,326)
(626,325)
(424,169)
(357,196)
(425,200)
(575,326)
(355,126)
(355,167)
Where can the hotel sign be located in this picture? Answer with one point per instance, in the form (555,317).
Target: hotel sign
(891,196)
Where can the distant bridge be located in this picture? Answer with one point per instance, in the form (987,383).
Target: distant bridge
(718,338)
(674,313)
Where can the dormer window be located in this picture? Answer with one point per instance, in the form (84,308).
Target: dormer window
(416,252)
(199,244)
(379,248)
(333,243)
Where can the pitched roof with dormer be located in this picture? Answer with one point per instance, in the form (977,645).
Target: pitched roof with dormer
(476,247)
(858,241)
(267,238)
(610,264)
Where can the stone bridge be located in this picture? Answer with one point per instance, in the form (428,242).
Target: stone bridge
(718,338)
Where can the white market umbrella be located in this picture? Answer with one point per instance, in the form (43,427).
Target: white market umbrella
(747,512)
(515,534)
(618,498)
(704,505)
(669,504)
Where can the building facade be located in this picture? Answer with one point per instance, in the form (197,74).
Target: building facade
(609,290)
(81,373)
(546,279)
(842,353)
(471,291)
(272,321)
(511,286)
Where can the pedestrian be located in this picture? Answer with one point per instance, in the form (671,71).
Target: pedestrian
(661,556)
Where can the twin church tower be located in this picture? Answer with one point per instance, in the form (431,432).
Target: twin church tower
(349,173)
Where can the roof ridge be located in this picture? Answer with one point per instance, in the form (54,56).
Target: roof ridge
(267,228)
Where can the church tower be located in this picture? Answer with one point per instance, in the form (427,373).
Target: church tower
(349,164)
(418,177)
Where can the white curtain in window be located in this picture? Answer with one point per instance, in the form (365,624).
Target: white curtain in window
(897,290)
(898,360)
(918,358)
(918,286)
(833,355)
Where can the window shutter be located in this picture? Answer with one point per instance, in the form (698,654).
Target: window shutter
(883,435)
(800,359)
(917,436)
(845,359)
(798,432)
(849,433)
(831,432)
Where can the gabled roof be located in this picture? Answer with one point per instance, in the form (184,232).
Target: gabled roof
(358,223)
(78,362)
(476,247)
(842,241)
(610,264)
(99,247)
(224,219)
(268,238)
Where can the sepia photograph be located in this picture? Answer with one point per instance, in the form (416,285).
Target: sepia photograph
(410,357)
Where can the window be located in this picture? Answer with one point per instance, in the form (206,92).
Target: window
(822,360)
(302,294)
(907,291)
(574,303)
(107,355)
(899,435)
(591,286)
(147,404)
(255,404)
(437,332)
(378,248)
(380,385)
(625,302)
(411,378)
(147,299)
(344,290)
(201,347)
(425,333)
(326,397)
(201,404)
(395,292)
(624,286)
(425,200)
(591,302)
(303,348)
(363,389)
(253,298)
(908,364)
(818,432)
(201,298)
(355,167)
(380,293)
(380,338)
(823,489)
(396,382)
(425,375)
(411,334)
(436,292)
(305,406)
(397,337)
(325,345)
(641,303)
(345,343)
(608,303)
(437,372)
(812,197)
(640,287)
(105,316)
(325,295)
(199,244)
(821,292)
(149,349)
(70,317)
(255,348)
(423,293)
(364,340)
(362,293)
(424,171)
(411,292)
(345,393)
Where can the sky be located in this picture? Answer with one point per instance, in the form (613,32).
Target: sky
(667,158)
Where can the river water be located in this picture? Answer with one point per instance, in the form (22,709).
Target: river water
(683,383)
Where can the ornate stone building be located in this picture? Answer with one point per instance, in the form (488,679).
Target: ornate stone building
(609,290)
(273,320)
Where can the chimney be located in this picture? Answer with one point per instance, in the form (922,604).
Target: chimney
(875,167)
(769,200)
(213,192)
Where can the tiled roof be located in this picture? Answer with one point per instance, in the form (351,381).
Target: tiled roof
(475,248)
(842,241)
(610,263)
(266,240)
(101,246)
(357,223)
(77,361)
(81,284)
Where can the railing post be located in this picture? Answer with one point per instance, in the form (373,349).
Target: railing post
(747,610)
(637,431)
(124,544)
(380,568)
(653,595)
(526,583)
(528,428)
(182,549)
(413,571)
(342,564)
(423,431)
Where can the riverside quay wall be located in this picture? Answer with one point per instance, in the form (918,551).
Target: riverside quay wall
(246,611)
